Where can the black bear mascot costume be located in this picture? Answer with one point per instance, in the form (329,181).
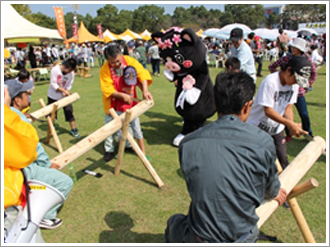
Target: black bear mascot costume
(184,55)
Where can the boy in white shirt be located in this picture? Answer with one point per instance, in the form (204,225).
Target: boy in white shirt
(272,107)
(61,80)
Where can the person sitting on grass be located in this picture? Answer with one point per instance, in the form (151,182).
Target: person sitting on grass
(127,85)
(41,169)
(61,80)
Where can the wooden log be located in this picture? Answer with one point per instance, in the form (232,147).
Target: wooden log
(52,129)
(141,155)
(60,104)
(303,187)
(144,160)
(292,174)
(301,221)
(52,117)
(123,141)
(98,136)
(279,167)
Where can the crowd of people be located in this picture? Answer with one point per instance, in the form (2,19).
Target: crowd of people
(243,143)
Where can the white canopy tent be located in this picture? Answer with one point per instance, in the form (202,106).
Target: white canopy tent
(16,26)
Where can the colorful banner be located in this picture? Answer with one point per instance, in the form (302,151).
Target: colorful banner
(74,27)
(60,21)
(99,30)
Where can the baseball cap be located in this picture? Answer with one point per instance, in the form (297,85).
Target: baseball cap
(15,87)
(299,43)
(236,34)
(302,67)
(129,75)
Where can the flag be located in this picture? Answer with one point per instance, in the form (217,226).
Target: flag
(60,21)
(99,30)
(74,27)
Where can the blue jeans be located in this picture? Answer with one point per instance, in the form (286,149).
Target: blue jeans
(155,65)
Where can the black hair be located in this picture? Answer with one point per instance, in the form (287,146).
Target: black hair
(285,66)
(19,95)
(70,63)
(234,62)
(251,35)
(111,51)
(313,47)
(280,30)
(23,74)
(232,91)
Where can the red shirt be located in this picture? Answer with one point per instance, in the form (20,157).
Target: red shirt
(122,87)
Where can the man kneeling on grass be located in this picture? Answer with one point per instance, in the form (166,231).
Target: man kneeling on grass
(229,168)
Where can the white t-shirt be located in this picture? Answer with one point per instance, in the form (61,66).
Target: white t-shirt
(57,79)
(316,58)
(271,94)
(154,52)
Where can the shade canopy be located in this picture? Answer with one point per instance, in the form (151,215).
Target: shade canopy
(16,26)
(227,29)
(146,35)
(265,33)
(109,36)
(83,36)
(307,31)
(129,35)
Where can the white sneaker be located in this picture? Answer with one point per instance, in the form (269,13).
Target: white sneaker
(178,139)
(50,224)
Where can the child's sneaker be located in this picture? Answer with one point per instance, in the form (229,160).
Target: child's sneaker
(75,133)
(148,157)
(50,224)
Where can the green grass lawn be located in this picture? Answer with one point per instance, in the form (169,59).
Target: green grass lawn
(130,208)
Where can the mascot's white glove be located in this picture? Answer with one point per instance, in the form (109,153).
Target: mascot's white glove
(189,93)
(169,75)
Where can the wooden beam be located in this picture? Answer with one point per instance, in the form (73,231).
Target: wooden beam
(292,174)
(98,136)
(303,187)
(52,117)
(279,167)
(141,155)
(52,129)
(301,221)
(60,104)
(122,141)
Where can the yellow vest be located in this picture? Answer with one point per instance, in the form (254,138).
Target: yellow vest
(20,150)
(106,81)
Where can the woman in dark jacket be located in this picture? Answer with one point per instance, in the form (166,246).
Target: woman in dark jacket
(32,57)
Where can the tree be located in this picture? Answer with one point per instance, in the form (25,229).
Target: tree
(294,14)
(148,17)
(107,16)
(124,20)
(272,20)
(199,16)
(44,20)
(68,19)
(252,15)
(25,11)
(181,16)
(214,19)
